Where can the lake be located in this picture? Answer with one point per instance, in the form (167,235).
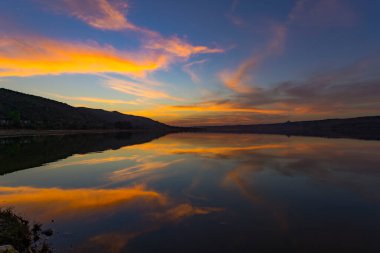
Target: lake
(196,192)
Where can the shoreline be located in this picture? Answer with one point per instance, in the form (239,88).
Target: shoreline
(14,133)
(24,132)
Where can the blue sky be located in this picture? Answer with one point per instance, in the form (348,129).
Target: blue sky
(197,62)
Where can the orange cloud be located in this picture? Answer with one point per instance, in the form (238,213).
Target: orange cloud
(205,113)
(33,55)
(223,108)
(178,47)
(94,100)
(240,80)
(21,56)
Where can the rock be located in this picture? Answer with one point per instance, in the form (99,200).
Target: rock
(7,249)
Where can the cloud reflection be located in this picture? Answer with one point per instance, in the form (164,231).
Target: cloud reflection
(48,203)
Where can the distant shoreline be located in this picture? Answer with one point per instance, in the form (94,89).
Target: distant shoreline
(367,128)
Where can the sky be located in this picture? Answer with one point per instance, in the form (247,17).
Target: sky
(197,62)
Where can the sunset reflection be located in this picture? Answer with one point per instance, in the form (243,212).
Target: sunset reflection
(216,184)
(48,203)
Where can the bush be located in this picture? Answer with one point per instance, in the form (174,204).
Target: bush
(16,231)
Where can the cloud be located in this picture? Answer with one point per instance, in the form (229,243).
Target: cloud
(240,79)
(233,17)
(137,89)
(222,106)
(100,14)
(188,68)
(324,13)
(225,118)
(29,56)
(347,88)
(94,100)
(111,15)
(178,47)
(349,91)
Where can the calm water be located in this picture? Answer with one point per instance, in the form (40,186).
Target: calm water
(197,192)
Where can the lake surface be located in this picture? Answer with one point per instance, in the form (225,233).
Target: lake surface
(196,192)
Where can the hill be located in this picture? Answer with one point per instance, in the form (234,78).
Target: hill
(360,128)
(23,111)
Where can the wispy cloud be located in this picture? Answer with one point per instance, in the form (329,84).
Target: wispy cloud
(111,15)
(188,69)
(305,13)
(100,14)
(223,106)
(240,79)
(93,100)
(179,47)
(232,16)
(138,89)
(349,91)
(322,13)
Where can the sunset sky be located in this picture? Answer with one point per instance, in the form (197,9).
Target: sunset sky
(198,62)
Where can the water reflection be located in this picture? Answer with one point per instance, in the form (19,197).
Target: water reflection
(198,192)
(27,152)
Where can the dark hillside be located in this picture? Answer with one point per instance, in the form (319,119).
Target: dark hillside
(18,110)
